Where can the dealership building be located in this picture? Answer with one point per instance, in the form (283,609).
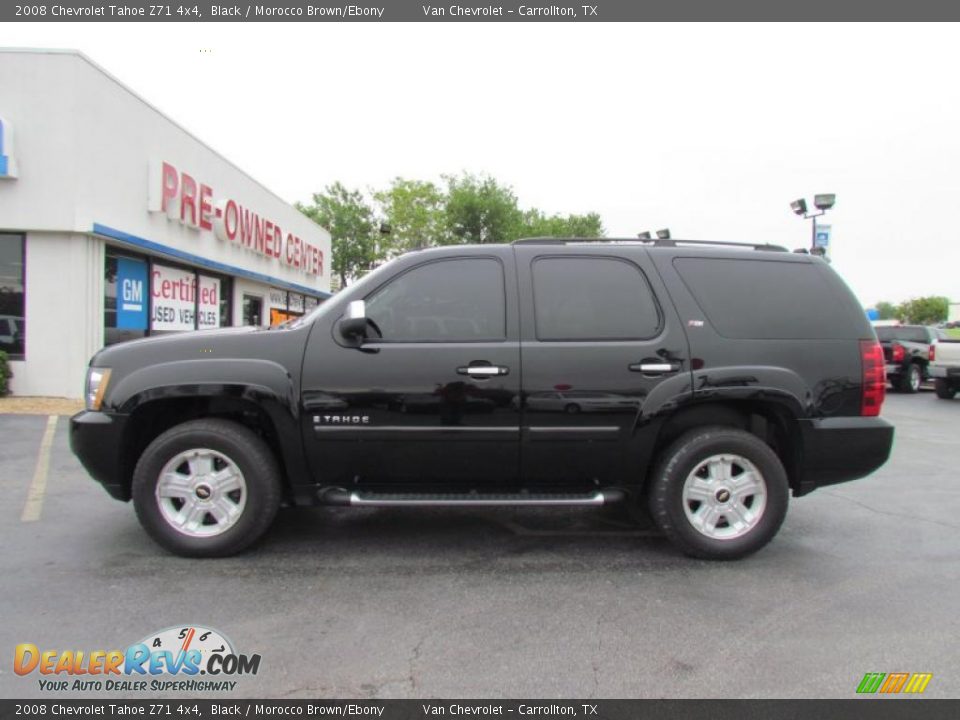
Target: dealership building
(116,223)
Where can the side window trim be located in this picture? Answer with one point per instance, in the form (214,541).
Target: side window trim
(473,341)
(661,317)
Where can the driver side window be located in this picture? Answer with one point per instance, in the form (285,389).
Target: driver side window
(458,300)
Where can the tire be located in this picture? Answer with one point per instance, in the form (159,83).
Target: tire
(571,409)
(943,389)
(693,466)
(909,380)
(206,488)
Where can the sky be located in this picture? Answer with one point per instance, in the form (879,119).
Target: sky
(710,130)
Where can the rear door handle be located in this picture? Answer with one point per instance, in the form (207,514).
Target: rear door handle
(483,371)
(654,368)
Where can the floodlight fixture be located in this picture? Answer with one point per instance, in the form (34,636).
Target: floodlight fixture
(663,234)
(799,206)
(645,235)
(825,201)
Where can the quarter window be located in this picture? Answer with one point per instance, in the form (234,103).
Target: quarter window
(591,298)
(761,299)
(461,300)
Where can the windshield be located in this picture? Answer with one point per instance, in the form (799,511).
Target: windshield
(322,308)
(907,333)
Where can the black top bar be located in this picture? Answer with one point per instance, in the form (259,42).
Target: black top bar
(656,242)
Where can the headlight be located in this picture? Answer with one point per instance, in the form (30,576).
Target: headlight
(97,379)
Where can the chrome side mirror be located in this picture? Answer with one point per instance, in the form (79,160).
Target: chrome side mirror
(353,324)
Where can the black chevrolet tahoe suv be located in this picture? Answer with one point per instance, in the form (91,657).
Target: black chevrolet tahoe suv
(699,383)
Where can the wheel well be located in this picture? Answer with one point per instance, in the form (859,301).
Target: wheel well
(152,419)
(768,421)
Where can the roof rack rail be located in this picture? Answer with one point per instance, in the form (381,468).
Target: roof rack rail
(655,242)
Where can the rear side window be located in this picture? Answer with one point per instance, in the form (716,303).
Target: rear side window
(767,299)
(591,298)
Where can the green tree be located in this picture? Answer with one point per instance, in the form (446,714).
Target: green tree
(925,310)
(353,227)
(886,310)
(536,224)
(480,210)
(414,211)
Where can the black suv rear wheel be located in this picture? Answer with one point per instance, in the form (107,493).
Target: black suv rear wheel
(911,378)
(206,488)
(719,493)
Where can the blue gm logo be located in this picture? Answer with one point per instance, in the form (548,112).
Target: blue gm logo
(8,164)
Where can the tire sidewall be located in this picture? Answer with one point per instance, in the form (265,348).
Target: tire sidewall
(682,458)
(242,447)
(943,389)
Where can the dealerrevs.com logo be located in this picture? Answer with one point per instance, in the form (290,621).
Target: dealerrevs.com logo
(171,660)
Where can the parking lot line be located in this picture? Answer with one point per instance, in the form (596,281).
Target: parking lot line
(38,486)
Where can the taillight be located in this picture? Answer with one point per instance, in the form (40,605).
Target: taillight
(898,353)
(932,353)
(874,378)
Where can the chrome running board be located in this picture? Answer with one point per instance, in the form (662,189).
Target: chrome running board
(367,499)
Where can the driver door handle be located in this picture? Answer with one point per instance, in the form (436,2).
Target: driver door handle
(483,371)
(655,368)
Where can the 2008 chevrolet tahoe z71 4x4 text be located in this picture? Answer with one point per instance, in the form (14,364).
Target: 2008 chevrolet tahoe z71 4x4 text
(703,382)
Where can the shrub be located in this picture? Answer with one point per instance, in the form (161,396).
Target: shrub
(5,374)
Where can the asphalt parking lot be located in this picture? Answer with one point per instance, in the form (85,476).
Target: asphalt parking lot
(863,577)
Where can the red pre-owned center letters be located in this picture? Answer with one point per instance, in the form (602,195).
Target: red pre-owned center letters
(182,198)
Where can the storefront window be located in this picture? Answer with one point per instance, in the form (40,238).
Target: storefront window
(125,298)
(226,294)
(13,326)
(252,310)
(285,306)
(144,298)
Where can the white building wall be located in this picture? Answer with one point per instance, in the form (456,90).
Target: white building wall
(86,151)
(87,147)
(64,313)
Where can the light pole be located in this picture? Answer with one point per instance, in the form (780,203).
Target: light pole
(823,203)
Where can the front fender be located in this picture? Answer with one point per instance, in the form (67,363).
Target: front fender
(262,381)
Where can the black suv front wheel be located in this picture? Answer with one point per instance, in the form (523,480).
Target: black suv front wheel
(206,488)
(719,493)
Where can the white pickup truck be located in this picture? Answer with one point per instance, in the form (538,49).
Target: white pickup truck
(944,367)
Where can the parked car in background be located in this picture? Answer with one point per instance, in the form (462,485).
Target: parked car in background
(906,351)
(945,367)
(11,334)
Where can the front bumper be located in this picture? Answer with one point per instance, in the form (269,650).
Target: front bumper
(837,450)
(96,438)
